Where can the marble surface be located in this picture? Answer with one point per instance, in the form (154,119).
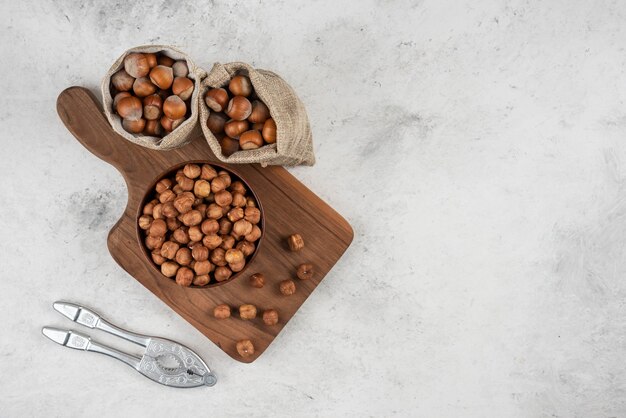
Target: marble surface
(476,147)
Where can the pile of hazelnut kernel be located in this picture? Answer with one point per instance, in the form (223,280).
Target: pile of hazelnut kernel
(201,226)
(151,93)
(239,120)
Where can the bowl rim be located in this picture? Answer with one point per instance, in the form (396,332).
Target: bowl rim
(150,189)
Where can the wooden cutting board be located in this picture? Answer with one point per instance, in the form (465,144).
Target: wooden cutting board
(288,205)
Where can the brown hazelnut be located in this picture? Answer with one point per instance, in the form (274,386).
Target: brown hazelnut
(157,211)
(207,172)
(184,202)
(202,267)
(228,145)
(217,257)
(210,226)
(250,140)
(200,253)
(260,112)
(122,81)
(174,108)
(169,268)
(152,59)
(228,242)
(191,218)
(130,108)
(118,97)
(183,256)
(240,85)
(184,276)
(182,87)
(269,131)
(169,211)
(242,228)
(134,126)
(173,224)
(234,128)
(254,235)
(221,311)
(153,128)
(234,256)
(252,215)
(152,106)
(163,185)
(169,124)
(167,196)
(180,69)
(214,211)
(192,170)
(216,122)
(247,248)
(162,77)
(287,287)
(238,266)
(270,317)
(296,243)
(257,280)
(145,221)
(235,214)
(157,257)
(195,233)
(143,87)
(158,228)
(225,226)
(250,202)
(212,241)
(181,235)
(136,65)
(223,197)
(216,99)
(305,271)
(165,60)
(169,249)
(247,311)
(239,108)
(154,242)
(218,184)
(201,280)
(222,273)
(239,200)
(245,348)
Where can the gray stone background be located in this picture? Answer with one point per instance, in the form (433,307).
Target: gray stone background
(477,148)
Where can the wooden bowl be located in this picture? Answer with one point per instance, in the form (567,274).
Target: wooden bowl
(169,173)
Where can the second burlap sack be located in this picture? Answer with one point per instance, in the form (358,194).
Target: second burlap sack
(294,141)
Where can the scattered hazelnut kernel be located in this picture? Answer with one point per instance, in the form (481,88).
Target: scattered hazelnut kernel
(200,253)
(245,348)
(209,226)
(270,317)
(257,280)
(221,311)
(195,233)
(202,188)
(157,257)
(247,248)
(287,287)
(222,273)
(207,172)
(237,266)
(212,241)
(184,202)
(305,271)
(158,228)
(183,256)
(192,171)
(247,311)
(202,267)
(252,215)
(296,243)
(169,249)
(218,184)
(228,242)
(145,221)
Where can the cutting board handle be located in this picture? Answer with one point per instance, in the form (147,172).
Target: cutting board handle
(91,128)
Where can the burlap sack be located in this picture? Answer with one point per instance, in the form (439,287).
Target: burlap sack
(179,136)
(294,141)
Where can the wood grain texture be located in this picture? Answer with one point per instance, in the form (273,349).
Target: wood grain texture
(289,207)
